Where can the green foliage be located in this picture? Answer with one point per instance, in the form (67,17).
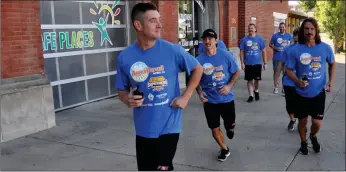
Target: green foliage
(330,16)
(307,5)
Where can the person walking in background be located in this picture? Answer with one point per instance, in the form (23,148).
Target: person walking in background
(252,48)
(278,42)
(288,84)
(220,72)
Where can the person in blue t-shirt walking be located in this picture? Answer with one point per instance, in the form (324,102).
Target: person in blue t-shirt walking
(147,81)
(278,42)
(309,59)
(288,84)
(252,48)
(220,72)
(220,44)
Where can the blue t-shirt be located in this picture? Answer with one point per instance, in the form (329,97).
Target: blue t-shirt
(252,47)
(155,73)
(281,41)
(286,81)
(220,44)
(217,71)
(311,61)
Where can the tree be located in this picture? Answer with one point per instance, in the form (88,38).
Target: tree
(331,17)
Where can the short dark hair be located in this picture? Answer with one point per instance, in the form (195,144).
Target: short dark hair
(139,9)
(296,31)
(282,23)
(301,38)
(254,25)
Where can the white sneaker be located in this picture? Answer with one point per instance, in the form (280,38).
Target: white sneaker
(276,90)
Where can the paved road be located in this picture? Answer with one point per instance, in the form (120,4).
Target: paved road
(100,136)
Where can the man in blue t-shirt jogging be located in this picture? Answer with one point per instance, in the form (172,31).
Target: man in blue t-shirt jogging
(309,58)
(288,84)
(147,81)
(278,42)
(220,72)
(252,52)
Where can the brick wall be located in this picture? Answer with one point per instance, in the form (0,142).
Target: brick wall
(263,11)
(228,19)
(21,50)
(169,19)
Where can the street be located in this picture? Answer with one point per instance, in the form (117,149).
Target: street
(100,136)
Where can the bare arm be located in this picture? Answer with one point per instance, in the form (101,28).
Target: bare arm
(242,56)
(292,76)
(123,95)
(193,81)
(331,72)
(264,56)
(234,79)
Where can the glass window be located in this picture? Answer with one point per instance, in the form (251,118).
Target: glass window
(98,87)
(66,12)
(50,67)
(185,32)
(46,15)
(95,63)
(71,67)
(73,93)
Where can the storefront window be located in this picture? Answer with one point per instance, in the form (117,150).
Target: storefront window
(81,41)
(185,24)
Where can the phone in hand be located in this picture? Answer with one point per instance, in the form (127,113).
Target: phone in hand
(138,93)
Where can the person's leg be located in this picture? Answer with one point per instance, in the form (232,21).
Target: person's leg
(317,115)
(302,114)
(228,115)
(258,76)
(167,146)
(212,114)
(146,153)
(289,97)
(275,64)
(250,82)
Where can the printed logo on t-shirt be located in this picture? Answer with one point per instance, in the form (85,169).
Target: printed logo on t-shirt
(315,66)
(254,46)
(139,71)
(157,83)
(218,76)
(305,58)
(208,68)
(249,43)
(279,40)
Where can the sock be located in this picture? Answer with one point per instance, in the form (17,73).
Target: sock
(256,91)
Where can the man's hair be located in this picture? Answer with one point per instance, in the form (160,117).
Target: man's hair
(296,31)
(301,38)
(253,24)
(282,23)
(139,9)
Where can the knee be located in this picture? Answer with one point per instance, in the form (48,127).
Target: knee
(316,122)
(303,121)
(216,131)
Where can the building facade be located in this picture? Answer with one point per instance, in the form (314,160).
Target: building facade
(67,50)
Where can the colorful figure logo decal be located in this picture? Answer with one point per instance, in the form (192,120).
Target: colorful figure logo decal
(102,23)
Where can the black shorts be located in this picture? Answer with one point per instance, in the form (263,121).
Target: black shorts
(253,72)
(214,111)
(310,106)
(154,152)
(290,96)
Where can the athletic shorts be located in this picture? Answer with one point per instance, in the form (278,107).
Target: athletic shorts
(310,106)
(290,95)
(275,64)
(154,152)
(253,72)
(214,111)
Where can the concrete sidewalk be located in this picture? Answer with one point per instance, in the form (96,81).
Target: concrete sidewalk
(100,136)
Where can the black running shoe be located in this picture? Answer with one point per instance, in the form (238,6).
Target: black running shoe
(315,145)
(257,97)
(304,148)
(230,133)
(250,99)
(291,125)
(224,154)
